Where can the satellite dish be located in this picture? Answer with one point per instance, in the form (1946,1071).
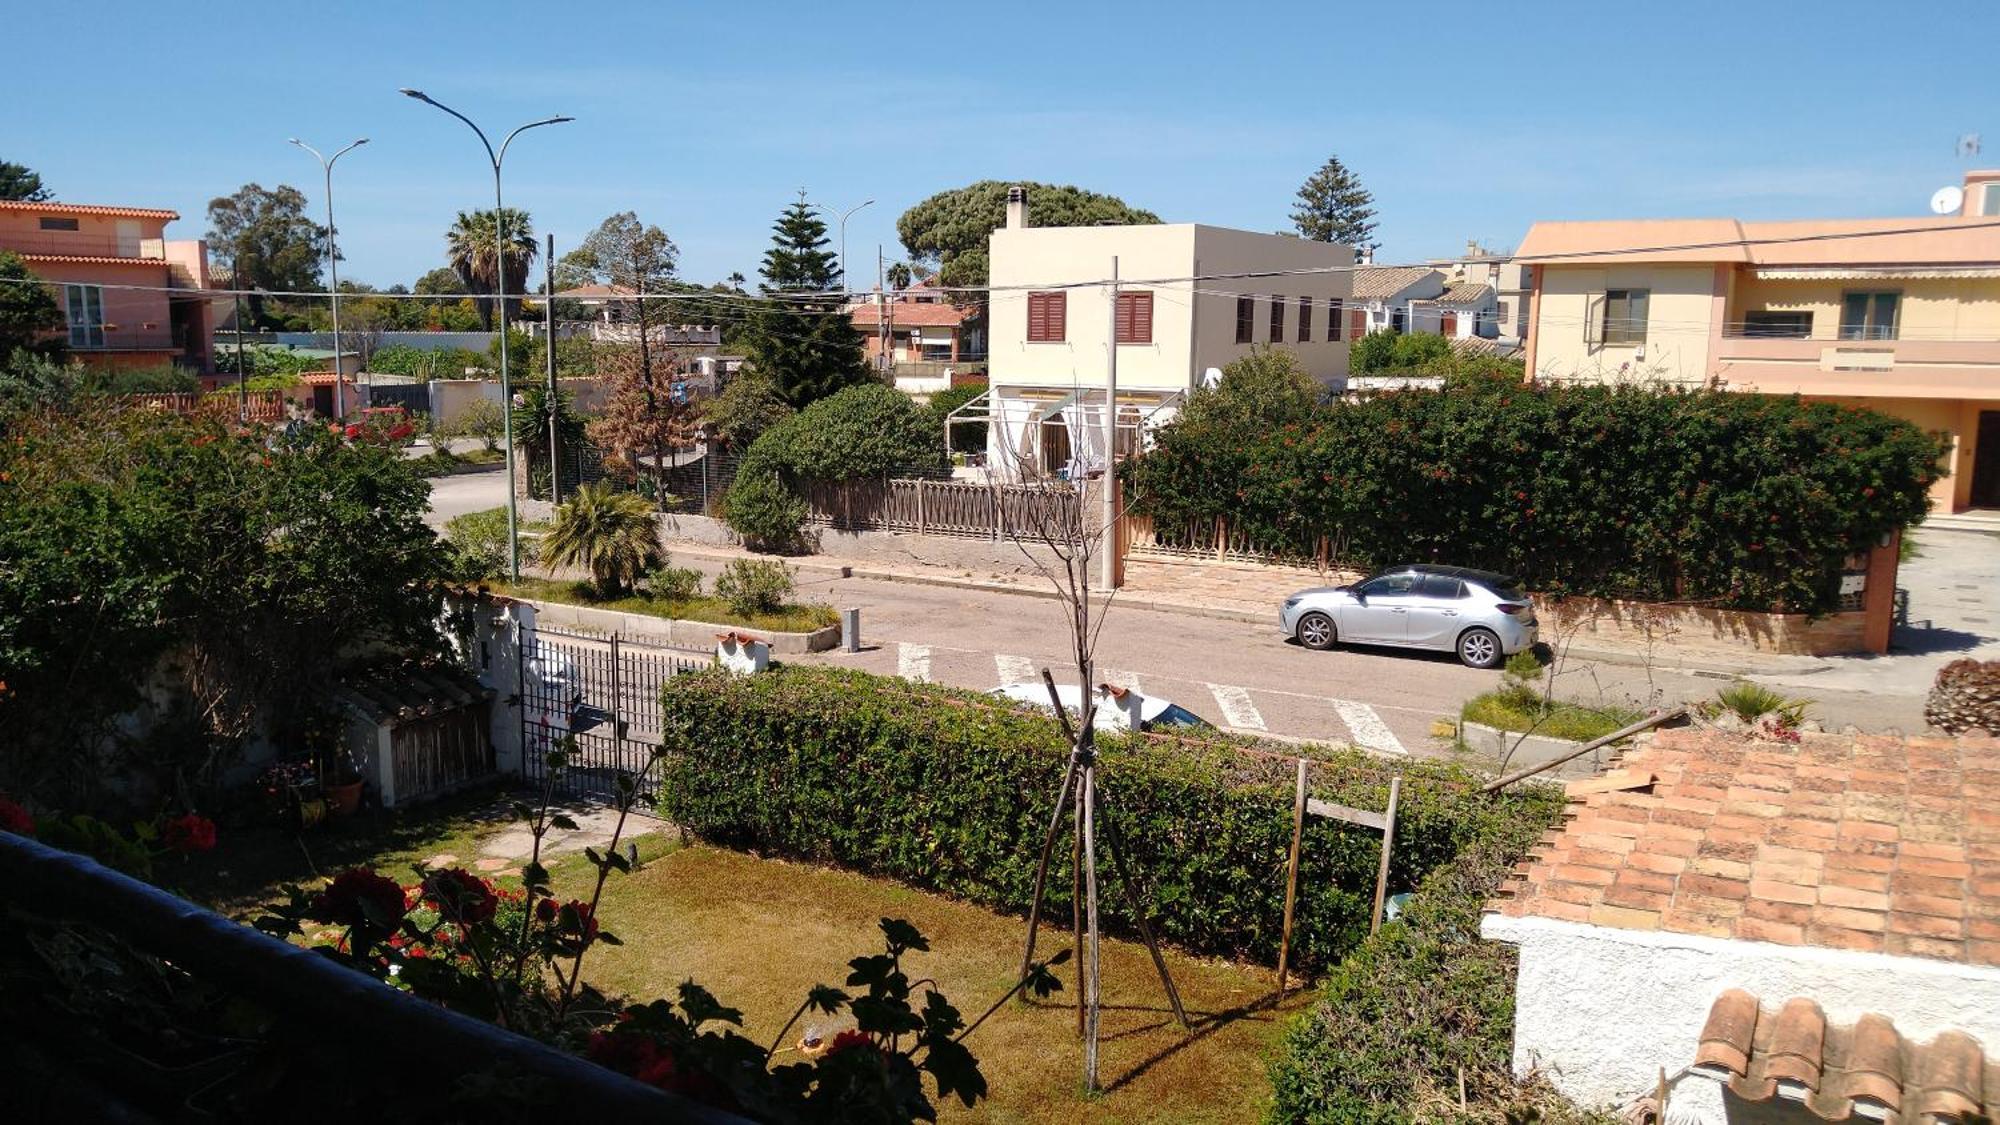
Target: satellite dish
(1948,200)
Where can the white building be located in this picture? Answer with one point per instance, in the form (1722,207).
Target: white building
(1050,326)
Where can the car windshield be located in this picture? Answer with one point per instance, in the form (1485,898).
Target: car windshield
(1177,716)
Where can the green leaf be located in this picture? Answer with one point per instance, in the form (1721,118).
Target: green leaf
(563,821)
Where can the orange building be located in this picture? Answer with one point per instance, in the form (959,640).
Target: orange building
(112,269)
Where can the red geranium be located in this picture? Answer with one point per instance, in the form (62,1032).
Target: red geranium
(358,897)
(15,819)
(849,1040)
(189,834)
(576,920)
(460,896)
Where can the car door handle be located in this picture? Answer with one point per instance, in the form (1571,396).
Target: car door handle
(1399,611)
(1451,613)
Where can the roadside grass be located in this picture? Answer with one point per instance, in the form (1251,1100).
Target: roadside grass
(759,932)
(795,618)
(441,461)
(1513,711)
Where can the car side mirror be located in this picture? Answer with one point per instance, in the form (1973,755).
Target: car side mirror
(1360,597)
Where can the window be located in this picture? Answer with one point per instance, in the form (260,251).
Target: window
(1764,324)
(1048,317)
(1990,200)
(1625,316)
(1441,586)
(85,307)
(1277,320)
(1333,321)
(1389,585)
(1305,320)
(58,224)
(1135,318)
(1868,316)
(1246,320)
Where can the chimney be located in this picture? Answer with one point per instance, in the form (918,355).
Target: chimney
(1365,256)
(1982,192)
(1017,207)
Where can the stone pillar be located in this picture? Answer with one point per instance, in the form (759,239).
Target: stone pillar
(1878,594)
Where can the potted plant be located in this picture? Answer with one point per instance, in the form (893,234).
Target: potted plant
(290,791)
(339,775)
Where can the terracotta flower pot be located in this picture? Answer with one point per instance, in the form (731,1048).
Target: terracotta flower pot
(344,799)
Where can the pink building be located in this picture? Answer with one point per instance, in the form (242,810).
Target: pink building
(111,268)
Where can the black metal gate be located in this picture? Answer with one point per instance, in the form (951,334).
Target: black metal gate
(601,692)
(413,397)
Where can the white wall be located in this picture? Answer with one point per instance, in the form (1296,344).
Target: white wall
(1600,1011)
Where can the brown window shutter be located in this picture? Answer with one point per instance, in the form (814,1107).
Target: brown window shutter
(1135,318)
(1246,319)
(1305,320)
(1357,323)
(1045,317)
(1336,321)
(1277,320)
(1058,317)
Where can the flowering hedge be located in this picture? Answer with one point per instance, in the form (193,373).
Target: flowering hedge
(1746,501)
(946,790)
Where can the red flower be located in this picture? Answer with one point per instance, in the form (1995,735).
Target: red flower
(15,819)
(546,910)
(460,896)
(578,920)
(358,897)
(849,1040)
(189,834)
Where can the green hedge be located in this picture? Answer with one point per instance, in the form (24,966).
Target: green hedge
(942,789)
(1418,1006)
(1746,501)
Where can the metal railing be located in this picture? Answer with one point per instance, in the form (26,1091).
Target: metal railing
(85,245)
(352,1022)
(603,691)
(931,507)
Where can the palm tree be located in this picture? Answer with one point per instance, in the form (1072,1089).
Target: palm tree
(469,247)
(611,534)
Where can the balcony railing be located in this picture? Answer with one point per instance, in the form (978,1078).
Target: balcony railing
(89,245)
(117,338)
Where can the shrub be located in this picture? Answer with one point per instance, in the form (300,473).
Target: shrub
(753,586)
(1738,500)
(613,535)
(674,583)
(1420,1007)
(948,791)
(1510,711)
(1419,349)
(1372,352)
(1750,701)
(478,542)
(967,436)
(763,511)
(481,418)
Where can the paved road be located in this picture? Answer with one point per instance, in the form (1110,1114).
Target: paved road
(467,492)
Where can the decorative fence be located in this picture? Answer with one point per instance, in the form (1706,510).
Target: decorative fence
(1220,541)
(260,406)
(604,692)
(938,507)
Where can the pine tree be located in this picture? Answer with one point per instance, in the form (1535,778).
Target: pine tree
(1334,207)
(806,343)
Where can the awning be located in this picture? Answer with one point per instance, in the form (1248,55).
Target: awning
(1867,273)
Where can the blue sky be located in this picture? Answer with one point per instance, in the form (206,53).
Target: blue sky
(1467,121)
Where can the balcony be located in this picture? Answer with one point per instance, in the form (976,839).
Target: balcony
(1822,363)
(114,338)
(84,245)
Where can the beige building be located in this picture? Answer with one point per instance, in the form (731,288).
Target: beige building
(1050,327)
(1901,315)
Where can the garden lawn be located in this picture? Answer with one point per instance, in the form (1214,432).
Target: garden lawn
(759,932)
(791,619)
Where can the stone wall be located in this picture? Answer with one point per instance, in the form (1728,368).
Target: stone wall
(1686,630)
(1966,697)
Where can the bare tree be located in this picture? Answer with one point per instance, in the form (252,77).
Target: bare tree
(629,255)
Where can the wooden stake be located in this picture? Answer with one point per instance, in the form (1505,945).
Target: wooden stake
(1292,874)
(1076,901)
(1382,869)
(1096,939)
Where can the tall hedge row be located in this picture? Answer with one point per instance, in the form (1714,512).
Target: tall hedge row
(1740,500)
(946,790)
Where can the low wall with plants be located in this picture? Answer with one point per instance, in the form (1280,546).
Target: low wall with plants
(1733,500)
(945,790)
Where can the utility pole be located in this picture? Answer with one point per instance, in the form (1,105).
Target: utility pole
(333,267)
(549,329)
(242,372)
(1109,557)
(882,317)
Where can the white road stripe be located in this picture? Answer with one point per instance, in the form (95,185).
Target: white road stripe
(1237,710)
(1370,732)
(1119,678)
(913,662)
(1015,669)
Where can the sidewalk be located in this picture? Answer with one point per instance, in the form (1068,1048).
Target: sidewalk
(1228,593)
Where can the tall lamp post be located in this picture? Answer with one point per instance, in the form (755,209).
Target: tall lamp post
(843,240)
(333,265)
(500,284)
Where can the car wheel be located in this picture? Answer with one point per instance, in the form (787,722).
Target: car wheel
(1316,631)
(1479,648)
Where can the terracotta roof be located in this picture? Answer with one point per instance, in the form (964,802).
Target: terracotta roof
(53,208)
(1929,240)
(1862,1071)
(95,260)
(1480,345)
(1464,293)
(908,314)
(596,292)
(1379,283)
(321,378)
(1863,842)
(395,693)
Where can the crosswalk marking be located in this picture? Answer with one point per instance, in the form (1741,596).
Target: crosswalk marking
(913,662)
(1015,669)
(1370,732)
(1237,710)
(1119,678)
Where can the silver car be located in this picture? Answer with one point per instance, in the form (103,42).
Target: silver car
(1482,616)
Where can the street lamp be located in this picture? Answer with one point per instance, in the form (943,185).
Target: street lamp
(333,265)
(843,242)
(500,284)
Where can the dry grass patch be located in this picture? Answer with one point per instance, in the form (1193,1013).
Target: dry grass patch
(759,932)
